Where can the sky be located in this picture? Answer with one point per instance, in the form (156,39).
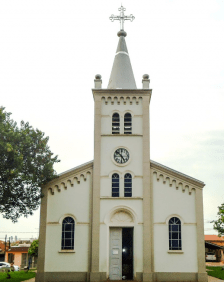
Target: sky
(51,50)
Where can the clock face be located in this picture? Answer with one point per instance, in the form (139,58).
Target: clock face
(121,156)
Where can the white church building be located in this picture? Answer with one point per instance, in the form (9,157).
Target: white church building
(122,216)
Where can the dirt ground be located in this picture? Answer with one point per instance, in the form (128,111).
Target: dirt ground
(215,263)
(213,279)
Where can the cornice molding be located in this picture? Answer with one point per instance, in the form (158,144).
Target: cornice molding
(63,182)
(120,198)
(122,91)
(171,179)
(58,223)
(176,175)
(53,223)
(121,99)
(119,135)
(77,169)
(165,223)
(121,95)
(69,176)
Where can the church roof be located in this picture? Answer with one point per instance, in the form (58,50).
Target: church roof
(175,173)
(122,76)
(78,168)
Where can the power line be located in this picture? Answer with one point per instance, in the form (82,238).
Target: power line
(18,239)
(18,232)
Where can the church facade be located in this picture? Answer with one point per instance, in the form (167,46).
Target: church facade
(122,216)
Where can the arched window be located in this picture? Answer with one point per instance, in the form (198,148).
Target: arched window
(115,185)
(115,123)
(175,234)
(128,185)
(127,123)
(68,230)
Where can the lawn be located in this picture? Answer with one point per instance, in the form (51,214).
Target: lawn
(216,272)
(17,276)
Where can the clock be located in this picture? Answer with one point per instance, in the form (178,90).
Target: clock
(121,156)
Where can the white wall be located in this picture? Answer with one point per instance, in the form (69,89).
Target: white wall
(73,201)
(168,202)
(165,262)
(63,262)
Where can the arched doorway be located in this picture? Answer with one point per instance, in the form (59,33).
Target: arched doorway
(121,265)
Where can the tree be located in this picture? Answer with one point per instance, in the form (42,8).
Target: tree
(33,249)
(26,163)
(219,223)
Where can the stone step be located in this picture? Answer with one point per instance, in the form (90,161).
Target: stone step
(121,280)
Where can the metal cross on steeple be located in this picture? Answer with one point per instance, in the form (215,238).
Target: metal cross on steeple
(122,17)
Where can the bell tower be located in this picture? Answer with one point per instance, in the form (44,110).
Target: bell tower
(121,157)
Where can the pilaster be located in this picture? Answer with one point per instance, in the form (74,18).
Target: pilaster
(147,236)
(94,275)
(202,275)
(42,238)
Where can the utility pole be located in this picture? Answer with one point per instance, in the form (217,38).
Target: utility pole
(5,246)
(5,242)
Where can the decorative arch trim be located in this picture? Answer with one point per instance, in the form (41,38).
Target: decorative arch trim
(121,113)
(174,215)
(67,215)
(115,171)
(121,99)
(173,181)
(117,209)
(128,112)
(121,174)
(121,216)
(114,112)
(176,174)
(69,181)
(128,171)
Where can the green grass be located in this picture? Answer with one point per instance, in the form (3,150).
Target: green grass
(216,272)
(17,276)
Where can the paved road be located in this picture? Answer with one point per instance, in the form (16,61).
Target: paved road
(33,280)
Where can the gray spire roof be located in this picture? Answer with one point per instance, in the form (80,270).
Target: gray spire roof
(122,74)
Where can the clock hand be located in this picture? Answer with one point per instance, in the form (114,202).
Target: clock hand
(121,156)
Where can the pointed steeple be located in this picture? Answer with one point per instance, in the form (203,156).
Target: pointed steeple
(122,75)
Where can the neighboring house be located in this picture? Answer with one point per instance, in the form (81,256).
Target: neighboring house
(2,250)
(122,215)
(214,243)
(18,255)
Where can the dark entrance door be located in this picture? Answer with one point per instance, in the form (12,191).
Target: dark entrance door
(10,258)
(127,253)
